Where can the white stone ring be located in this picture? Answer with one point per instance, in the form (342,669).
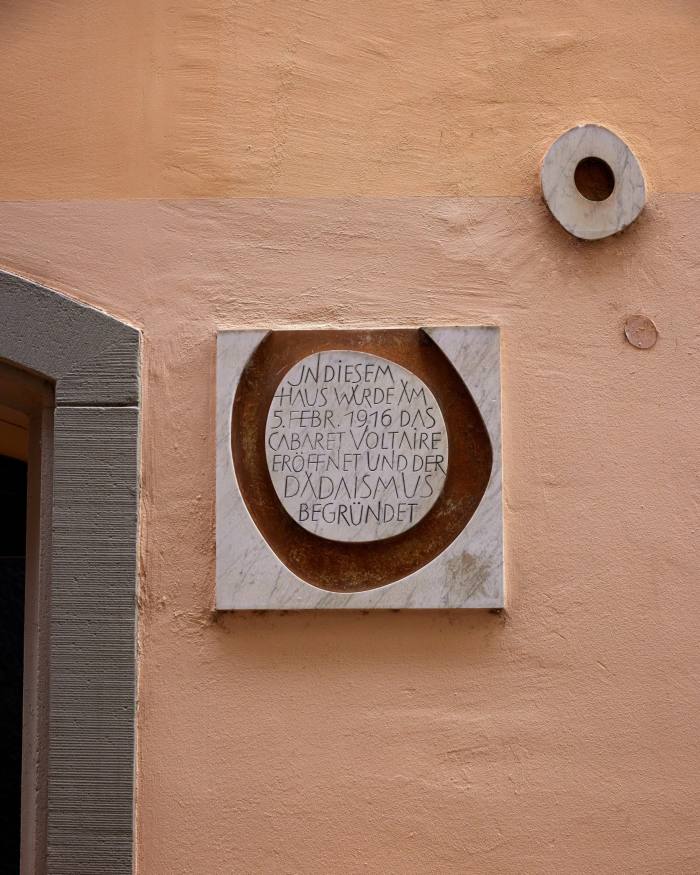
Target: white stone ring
(592,182)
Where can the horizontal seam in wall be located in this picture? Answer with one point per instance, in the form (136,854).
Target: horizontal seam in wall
(535,195)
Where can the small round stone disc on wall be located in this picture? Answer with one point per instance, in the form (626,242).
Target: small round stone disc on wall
(592,182)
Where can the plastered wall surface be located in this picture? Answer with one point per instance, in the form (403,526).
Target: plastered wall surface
(559,736)
(323,97)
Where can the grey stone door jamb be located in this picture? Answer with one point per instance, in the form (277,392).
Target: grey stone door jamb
(93,362)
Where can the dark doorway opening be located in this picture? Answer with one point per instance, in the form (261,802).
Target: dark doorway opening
(13,516)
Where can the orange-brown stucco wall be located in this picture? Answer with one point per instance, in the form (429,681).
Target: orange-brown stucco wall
(388,152)
(216,98)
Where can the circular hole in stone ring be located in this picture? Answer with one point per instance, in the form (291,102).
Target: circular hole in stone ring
(594,178)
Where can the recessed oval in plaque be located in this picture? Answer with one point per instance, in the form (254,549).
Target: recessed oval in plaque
(356,446)
(259,527)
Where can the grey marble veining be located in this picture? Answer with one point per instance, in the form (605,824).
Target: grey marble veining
(584,218)
(467,574)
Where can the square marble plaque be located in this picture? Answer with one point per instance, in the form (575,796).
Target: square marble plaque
(253,571)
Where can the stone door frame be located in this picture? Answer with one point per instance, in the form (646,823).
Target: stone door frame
(83,575)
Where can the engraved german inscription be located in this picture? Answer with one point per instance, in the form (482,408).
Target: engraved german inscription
(356,446)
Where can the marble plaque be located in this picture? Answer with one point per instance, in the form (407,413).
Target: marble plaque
(359,469)
(356,446)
